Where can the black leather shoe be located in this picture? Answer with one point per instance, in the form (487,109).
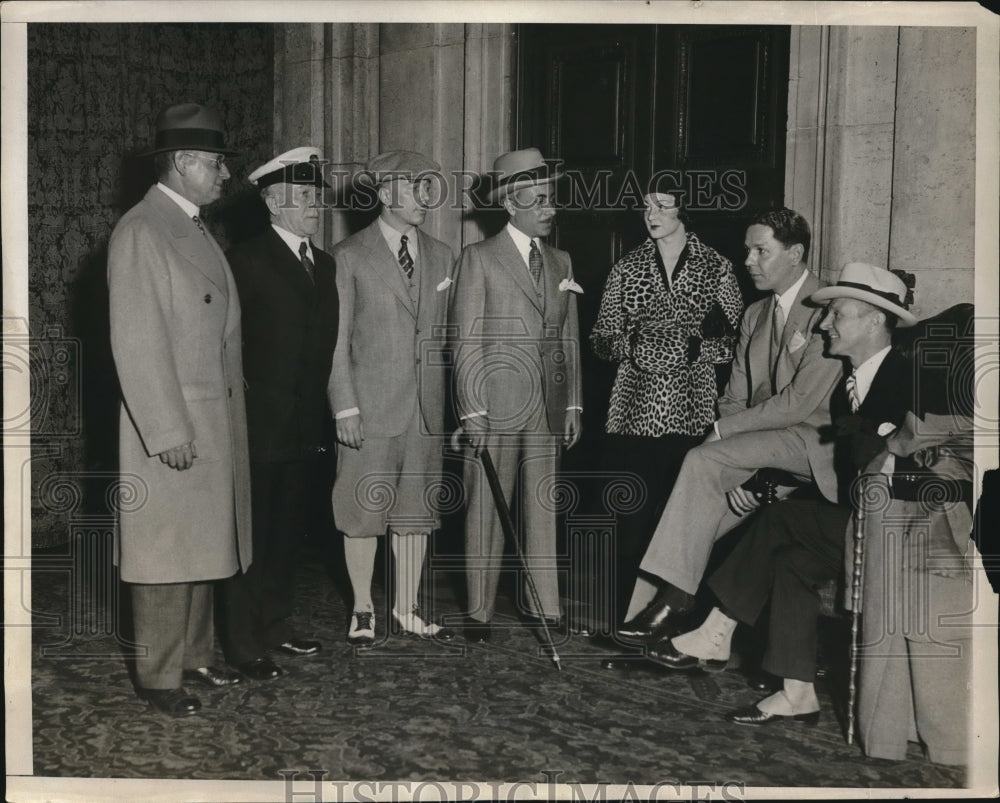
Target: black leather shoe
(666,654)
(299,646)
(212,676)
(261,669)
(176,702)
(659,619)
(765,681)
(477,632)
(752,715)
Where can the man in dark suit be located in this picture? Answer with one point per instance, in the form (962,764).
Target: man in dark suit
(777,397)
(289,297)
(175,335)
(517,379)
(796,546)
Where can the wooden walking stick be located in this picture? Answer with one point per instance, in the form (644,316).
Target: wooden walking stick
(507,524)
(856,594)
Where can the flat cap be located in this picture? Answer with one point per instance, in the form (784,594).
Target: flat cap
(396,164)
(298,166)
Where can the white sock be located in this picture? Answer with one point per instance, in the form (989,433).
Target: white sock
(711,641)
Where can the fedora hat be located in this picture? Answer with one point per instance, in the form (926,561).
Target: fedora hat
(523,168)
(877,286)
(189,127)
(396,164)
(298,166)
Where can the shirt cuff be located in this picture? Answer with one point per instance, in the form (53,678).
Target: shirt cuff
(574,408)
(347,413)
(888,465)
(718,434)
(478,414)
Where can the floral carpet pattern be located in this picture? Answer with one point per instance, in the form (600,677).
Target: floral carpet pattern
(412,710)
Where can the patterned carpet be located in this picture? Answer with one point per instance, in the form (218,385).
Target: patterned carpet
(408,710)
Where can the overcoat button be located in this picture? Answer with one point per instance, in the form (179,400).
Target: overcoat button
(208,298)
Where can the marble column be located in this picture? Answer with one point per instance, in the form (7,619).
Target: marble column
(360,89)
(934,173)
(880,152)
(840,136)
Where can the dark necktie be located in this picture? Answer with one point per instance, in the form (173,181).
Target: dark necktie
(306,262)
(197,222)
(405,260)
(535,262)
(777,327)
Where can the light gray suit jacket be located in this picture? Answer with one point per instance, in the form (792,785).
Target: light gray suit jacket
(517,350)
(803,378)
(391,355)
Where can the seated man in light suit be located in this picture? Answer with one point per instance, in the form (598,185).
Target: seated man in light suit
(769,416)
(794,547)
(517,380)
(388,401)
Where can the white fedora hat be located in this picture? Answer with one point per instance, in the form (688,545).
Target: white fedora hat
(873,284)
(524,168)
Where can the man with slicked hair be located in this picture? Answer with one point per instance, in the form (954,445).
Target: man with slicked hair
(770,415)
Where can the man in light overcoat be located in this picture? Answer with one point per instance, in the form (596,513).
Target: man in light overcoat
(387,389)
(175,336)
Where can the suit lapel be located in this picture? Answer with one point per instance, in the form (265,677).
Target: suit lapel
(759,351)
(799,314)
(510,258)
(886,399)
(199,249)
(552,276)
(385,266)
(429,279)
(285,265)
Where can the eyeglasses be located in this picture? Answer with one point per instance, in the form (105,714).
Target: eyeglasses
(217,162)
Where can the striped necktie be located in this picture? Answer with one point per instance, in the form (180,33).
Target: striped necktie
(851,383)
(535,262)
(405,260)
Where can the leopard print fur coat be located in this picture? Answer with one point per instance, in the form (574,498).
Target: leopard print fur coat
(666,377)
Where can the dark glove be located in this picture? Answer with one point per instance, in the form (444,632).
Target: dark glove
(716,324)
(693,349)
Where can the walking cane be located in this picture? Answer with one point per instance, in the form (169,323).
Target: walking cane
(507,523)
(856,589)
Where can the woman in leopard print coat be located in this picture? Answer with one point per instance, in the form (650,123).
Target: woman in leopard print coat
(669,314)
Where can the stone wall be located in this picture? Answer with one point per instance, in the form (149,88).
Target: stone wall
(360,89)
(881,152)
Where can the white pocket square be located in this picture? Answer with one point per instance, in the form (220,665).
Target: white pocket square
(444,284)
(886,428)
(569,284)
(796,341)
